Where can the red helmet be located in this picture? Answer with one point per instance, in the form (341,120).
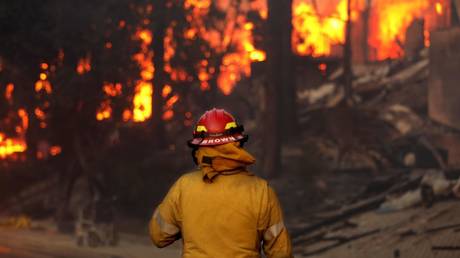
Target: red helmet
(217,127)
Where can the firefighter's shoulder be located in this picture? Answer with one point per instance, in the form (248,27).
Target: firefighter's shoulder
(190,176)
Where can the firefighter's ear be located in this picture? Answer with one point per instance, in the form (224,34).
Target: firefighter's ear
(243,141)
(195,160)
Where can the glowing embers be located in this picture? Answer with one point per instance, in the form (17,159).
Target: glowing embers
(167,89)
(45,150)
(55,150)
(43,88)
(145,35)
(111,90)
(9,92)
(104,111)
(43,84)
(168,113)
(322,67)
(142,101)
(84,65)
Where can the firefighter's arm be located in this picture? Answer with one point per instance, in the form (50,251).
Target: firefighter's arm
(165,223)
(276,240)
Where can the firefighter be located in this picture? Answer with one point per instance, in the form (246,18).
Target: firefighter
(222,210)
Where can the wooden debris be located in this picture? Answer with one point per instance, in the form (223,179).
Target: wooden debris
(445,248)
(340,240)
(357,208)
(440,228)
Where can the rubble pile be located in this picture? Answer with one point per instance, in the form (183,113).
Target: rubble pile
(403,126)
(387,127)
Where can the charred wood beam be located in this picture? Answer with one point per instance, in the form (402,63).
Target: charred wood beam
(445,248)
(161,23)
(441,228)
(347,58)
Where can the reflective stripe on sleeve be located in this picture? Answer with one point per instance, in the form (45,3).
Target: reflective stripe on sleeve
(165,227)
(273,231)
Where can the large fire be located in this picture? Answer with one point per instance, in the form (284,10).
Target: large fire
(390,20)
(319,29)
(233,39)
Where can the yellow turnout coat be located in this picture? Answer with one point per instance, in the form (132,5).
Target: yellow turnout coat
(222,210)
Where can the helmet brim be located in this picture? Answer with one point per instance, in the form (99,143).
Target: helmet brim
(214,141)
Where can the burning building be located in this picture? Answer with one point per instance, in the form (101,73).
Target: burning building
(379,26)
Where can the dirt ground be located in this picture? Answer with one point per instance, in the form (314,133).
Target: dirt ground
(49,244)
(415,233)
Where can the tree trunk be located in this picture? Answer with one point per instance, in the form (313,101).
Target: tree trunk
(273,98)
(160,23)
(366,20)
(347,58)
(289,130)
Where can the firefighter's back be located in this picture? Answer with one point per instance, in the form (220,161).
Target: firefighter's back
(221,219)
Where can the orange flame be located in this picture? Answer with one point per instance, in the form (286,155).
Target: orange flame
(55,150)
(167,89)
(105,111)
(319,30)
(112,89)
(40,114)
(315,34)
(44,66)
(142,100)
(127,115)
(84,65)
(171,101)
(235,34)
(24,119)
(391,22)
(10,146)
(323,68)
(9,92)
(145,35)
(168,115)
(439,8)
(43,83)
